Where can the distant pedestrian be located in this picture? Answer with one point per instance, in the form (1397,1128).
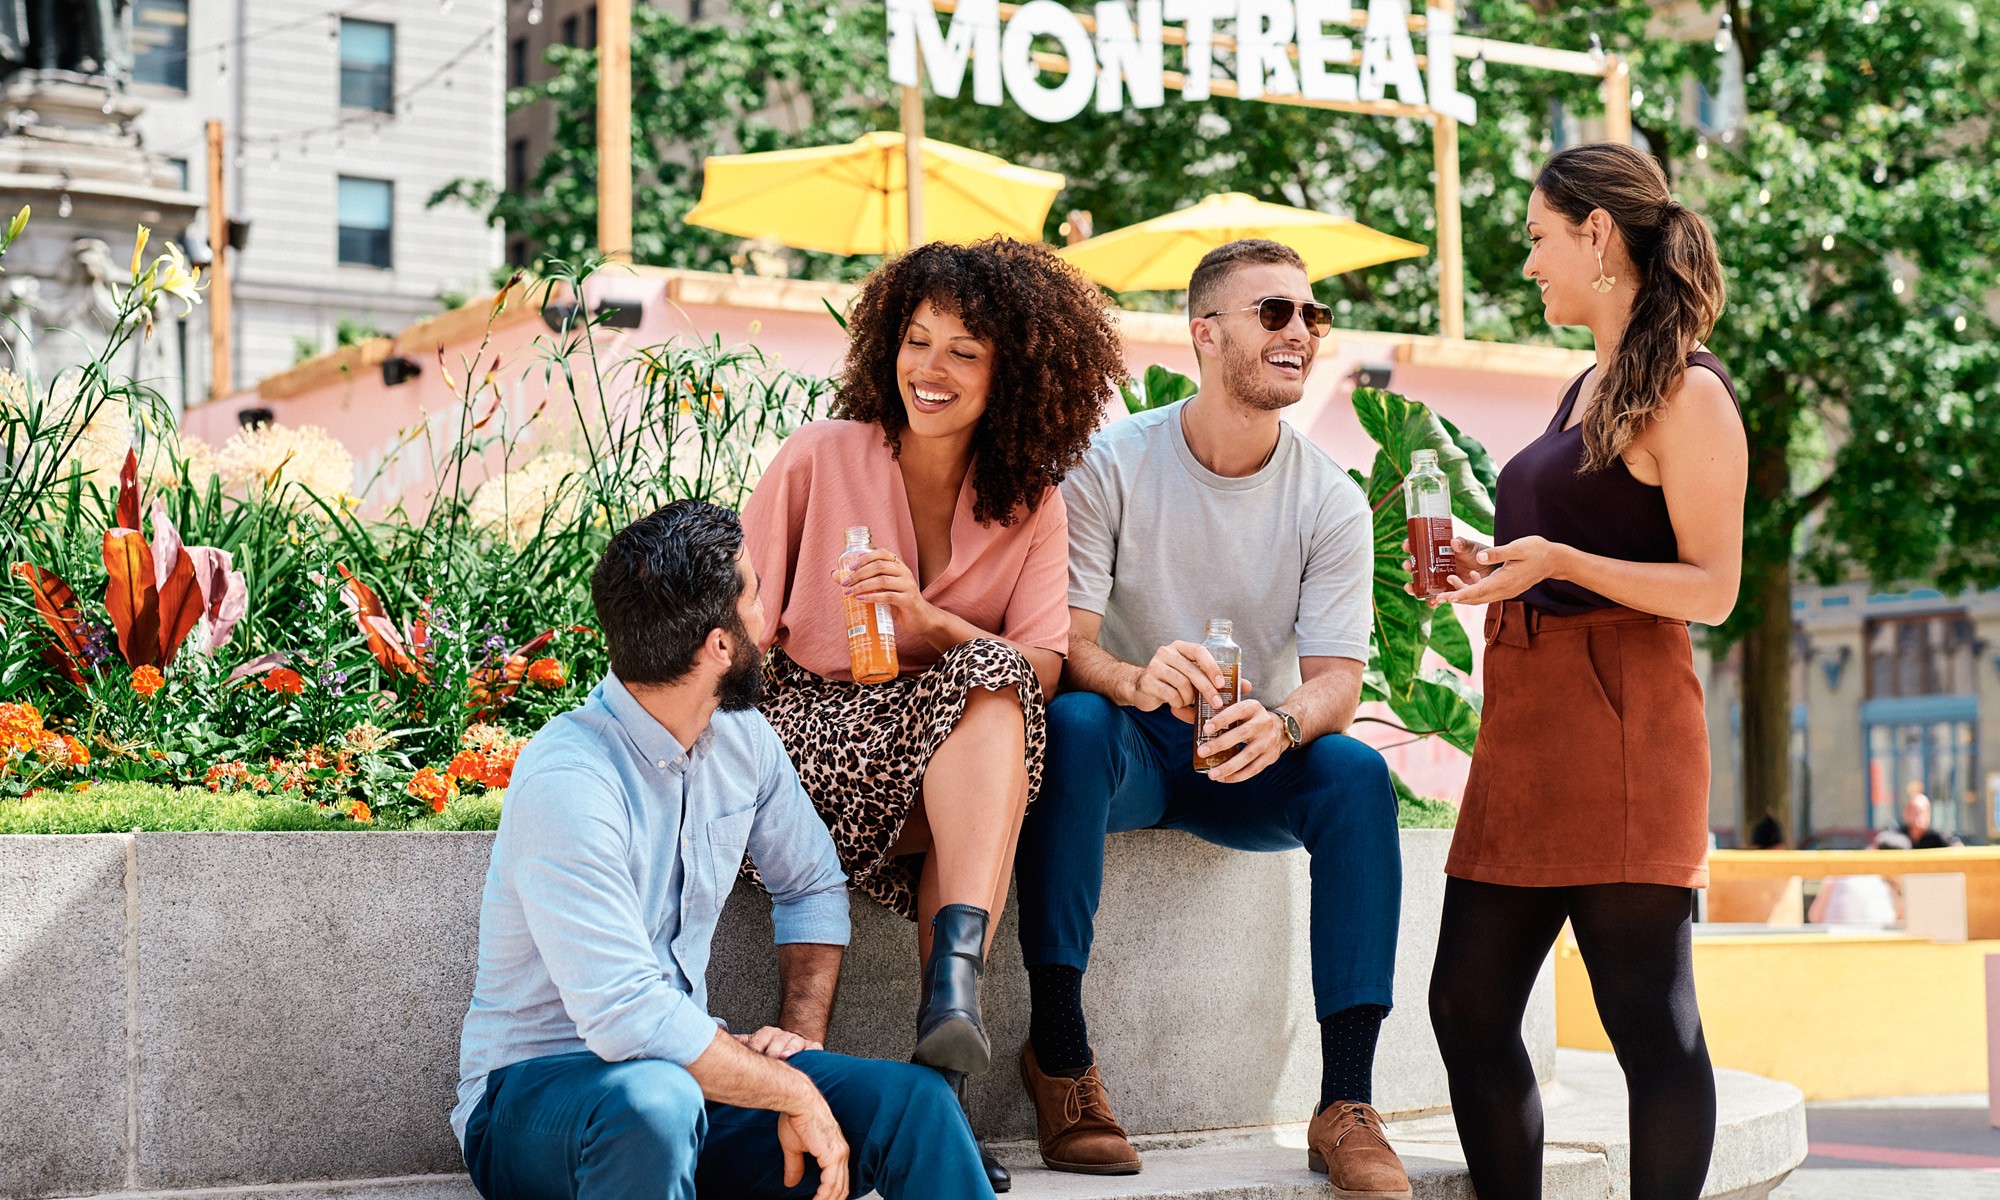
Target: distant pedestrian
(1917,825)
(1767,834)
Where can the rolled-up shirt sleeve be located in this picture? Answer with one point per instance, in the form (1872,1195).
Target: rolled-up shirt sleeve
(568,867)
(795,855)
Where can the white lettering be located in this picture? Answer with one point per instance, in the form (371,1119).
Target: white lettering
(975,35)
(1445,96)
(1263,37)
(1200,17)
(1319,50)
(1132,56)
(1387,57)
(1047,18)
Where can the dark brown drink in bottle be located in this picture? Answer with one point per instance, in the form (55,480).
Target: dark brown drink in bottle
(1221,646)
(1431,550)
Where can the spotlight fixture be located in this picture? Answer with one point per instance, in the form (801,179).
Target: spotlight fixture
(1372,375)
(253,418)
(398,369)
(619,314)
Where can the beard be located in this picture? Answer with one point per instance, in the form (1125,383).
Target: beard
(1243,377)
(743,685)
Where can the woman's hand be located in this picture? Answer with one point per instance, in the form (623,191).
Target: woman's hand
(882,578)
(1514,568)
(1463,550)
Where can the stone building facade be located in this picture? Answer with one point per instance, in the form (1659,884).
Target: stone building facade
(339,124)
(1891,691)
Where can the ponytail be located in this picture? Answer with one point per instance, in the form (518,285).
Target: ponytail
(1680,296)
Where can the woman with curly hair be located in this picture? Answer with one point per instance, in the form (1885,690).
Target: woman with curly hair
(973,380)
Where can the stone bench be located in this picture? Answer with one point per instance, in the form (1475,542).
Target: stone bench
(195,1010)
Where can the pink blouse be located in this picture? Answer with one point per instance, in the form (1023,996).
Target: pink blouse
(830,475)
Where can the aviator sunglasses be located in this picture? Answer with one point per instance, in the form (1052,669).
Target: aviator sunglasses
(1275,312)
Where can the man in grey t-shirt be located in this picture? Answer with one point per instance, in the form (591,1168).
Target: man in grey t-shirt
(1214,508)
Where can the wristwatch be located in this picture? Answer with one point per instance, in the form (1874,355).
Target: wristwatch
(1292,733)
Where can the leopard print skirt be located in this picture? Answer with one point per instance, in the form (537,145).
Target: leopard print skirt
(861,750)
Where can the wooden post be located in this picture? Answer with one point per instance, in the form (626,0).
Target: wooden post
(220,377)
(1450,230)
(913,162)
(1617,100)
(614,129)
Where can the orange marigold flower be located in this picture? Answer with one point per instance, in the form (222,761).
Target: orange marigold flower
(261,783)
(284,680)
(79,754)
(360,812)
(51,747)
(147,680)
(547,673)
(432,788)
(467,764)
(226,774)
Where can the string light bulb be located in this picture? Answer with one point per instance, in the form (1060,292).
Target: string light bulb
(1763,195)
(829,25)
(1724,34)
(1897,287)
(534,12)
(1596,50)
(1871,12)
(1701,149)
(1881,172)
(64,207)
(1958,323)
(776,10)
(1477,71)
(1826,243)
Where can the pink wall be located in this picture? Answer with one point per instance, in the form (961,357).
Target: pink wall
(376,422)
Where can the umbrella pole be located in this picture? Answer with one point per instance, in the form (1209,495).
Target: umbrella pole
(913,161)
(1450,235)
(614,129)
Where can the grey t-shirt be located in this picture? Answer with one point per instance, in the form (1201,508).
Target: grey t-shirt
(1158,544)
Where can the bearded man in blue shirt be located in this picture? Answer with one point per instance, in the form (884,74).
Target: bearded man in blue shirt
(589,1066)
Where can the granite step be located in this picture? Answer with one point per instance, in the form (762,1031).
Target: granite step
(1760,1138)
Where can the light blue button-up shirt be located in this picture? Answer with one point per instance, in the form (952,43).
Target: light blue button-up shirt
(617,848)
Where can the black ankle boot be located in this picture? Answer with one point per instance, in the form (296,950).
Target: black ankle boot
(950,1034)
(996,1174)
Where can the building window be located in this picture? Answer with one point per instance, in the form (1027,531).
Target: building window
(160,43)
(1931,655)
(517,165)
(367,65)
(517,63)
(517,252)
(590,28)
(367,208)
(569,30)
(694,10)
(180,169)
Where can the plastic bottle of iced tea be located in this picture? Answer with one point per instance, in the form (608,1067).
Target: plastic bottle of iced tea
(871,630)
(1221,646)
(1427,504)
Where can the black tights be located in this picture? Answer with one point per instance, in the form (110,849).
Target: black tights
(1635,939)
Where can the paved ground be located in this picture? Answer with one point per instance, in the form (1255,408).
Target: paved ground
(1934,1148)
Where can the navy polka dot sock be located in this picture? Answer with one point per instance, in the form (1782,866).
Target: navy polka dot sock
(1055,1020)
(1347,1054)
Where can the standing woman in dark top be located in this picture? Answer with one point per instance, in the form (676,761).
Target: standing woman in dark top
(1588,796)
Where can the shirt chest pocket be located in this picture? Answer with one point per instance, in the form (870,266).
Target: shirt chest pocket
(728,840)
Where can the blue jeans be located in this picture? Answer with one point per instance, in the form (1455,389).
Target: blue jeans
(1109,769)
(574,1127)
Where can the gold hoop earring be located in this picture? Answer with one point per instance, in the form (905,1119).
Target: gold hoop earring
(1603,282)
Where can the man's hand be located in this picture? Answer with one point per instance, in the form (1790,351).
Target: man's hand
(1259,731)
(1179,674)
(773,1042)
(809,1128)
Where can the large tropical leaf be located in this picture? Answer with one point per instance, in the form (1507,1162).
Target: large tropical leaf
(132,596)
(1440,704)
(1157,388)
(1483,467)
(1401,427)
(181,603)
(1448,638)
(57,603)
(128,491)
(383,641)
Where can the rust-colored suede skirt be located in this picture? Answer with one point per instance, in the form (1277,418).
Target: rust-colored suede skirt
(1592,759)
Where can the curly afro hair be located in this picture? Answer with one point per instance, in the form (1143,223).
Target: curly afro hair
(1056,358)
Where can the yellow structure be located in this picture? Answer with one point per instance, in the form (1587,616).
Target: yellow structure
(1836,1016)
(1727,869)
(1160,253)
(852,199)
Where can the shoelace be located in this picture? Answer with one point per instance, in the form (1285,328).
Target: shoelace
(1076,1101)
(1363,1120)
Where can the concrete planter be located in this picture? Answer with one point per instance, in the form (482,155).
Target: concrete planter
(186,1010)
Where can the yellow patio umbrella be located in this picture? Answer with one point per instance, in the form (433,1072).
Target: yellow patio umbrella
(1159,254)
(850,199)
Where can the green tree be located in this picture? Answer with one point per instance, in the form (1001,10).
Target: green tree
(767,75)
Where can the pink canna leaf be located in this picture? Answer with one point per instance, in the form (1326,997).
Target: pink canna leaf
(225,597)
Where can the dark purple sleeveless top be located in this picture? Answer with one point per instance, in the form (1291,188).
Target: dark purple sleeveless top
(1606,512)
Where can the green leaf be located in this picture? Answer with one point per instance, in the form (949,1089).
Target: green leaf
(1448,638)
(1443,704)
(1401,427)
(1157,388)
(1484,468)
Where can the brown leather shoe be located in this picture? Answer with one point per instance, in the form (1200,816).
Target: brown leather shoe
(1073,1122)
(1345,1143)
